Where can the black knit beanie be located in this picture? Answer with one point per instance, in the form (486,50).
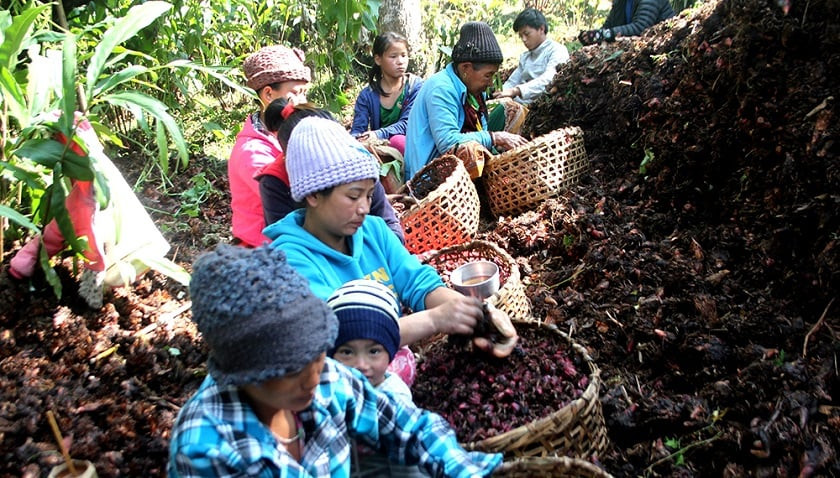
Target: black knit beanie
(477,44)
(257,315)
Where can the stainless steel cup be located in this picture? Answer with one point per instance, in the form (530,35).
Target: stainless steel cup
(476,279)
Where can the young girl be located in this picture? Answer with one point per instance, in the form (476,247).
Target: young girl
(382,107)
(334,240)
(272,72)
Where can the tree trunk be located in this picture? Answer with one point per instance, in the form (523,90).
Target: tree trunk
(404,17)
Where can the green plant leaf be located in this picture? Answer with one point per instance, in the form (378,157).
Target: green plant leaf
(58,191)
(13,96)
(119,78)
(30,178)
(49,272)
(163,147)
(16,37)
(51,153)
(672,443)
(166,267)
(129,99)
(68,86)
(137,18)
(18,218)
(216,72)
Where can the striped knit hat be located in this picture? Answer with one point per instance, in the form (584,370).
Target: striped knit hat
(366,309)
(322,154)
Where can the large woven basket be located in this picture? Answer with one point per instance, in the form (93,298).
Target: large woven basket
(511,297)
(549,467)
(519,179)
(576,430)
(447,206)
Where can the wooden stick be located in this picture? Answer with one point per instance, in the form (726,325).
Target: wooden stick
(60,440)
(814,329)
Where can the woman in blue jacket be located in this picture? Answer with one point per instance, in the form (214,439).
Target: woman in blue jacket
(450,108)
(333,239)
(382,107)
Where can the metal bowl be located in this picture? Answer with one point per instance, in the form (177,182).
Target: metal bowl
(476,279)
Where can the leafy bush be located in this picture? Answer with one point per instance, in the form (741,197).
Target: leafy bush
(39,111)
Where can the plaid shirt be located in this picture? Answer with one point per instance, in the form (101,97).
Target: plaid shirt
(218,434)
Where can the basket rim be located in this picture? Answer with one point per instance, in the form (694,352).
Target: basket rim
(566,461)
(437,192)
(536,142)
(465,246)
(535,428)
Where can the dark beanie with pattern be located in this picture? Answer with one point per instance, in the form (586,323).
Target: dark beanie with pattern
(366,309)
(477,44)
(257,315)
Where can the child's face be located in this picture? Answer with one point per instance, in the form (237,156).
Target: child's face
(394,61)
(366,356)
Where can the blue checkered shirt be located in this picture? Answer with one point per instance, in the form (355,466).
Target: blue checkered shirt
(218,434)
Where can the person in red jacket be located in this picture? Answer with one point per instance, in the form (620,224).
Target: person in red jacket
(273,72)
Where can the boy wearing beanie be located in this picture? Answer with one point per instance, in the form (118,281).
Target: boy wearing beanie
(368,338)
(273,404)
(333,240)
(368,332)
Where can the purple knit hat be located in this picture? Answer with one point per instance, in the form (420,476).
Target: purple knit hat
(321,154)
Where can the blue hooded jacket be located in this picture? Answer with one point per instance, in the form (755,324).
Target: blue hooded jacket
(376,254)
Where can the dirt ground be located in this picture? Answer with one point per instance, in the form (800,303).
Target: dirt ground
(698,264)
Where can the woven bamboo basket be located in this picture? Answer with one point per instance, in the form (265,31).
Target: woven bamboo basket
(519,179)
(511,297)
(447,208)
(576,430)
(549,467)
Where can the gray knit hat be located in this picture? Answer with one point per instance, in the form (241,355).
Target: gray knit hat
(366,309)
(322,154)
(257,315)
(477,44)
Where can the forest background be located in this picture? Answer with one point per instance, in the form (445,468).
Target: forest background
(161,83)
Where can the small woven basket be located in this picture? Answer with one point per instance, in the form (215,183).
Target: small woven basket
(447,206)
(576,430)
(549,467)
(519,179)
(511,297)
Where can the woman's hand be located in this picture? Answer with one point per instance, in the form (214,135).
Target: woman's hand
(458,315)
(500,347)
(504,141)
